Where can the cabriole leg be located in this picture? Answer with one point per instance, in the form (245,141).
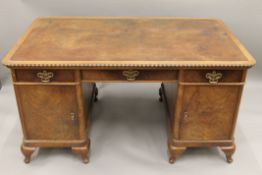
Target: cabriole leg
(96,93)
(161,93)
(83,151)
(174,152)
(229,151)
(27,151)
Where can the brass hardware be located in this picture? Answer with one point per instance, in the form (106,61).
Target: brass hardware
(45,76)
(72,116)
(185,115)
(213,77)
(130,74)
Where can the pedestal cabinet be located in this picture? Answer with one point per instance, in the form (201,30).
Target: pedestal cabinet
(51,110)
(206,106)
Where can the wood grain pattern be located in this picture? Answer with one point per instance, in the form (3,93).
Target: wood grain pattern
(211,115)
(200,75)
(46,111)
(117,75)
(26,75)
(136,41)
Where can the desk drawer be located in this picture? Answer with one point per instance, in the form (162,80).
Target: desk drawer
(129,75)
(213,76)
(44,75)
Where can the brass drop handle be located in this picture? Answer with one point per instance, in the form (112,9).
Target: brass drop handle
(213,77)
(72,116)
(45,76)
(130,74)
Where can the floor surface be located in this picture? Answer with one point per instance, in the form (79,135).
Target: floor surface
(128,136)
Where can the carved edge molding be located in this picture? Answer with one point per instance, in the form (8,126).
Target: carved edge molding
(126,65)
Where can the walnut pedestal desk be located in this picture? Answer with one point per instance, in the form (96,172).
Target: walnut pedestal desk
(200,64)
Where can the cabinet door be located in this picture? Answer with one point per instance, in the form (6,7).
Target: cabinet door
(49,112)
(208,112)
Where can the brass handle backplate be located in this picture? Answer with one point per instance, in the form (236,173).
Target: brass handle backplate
(45,76)
(130,74)
(185,115)
(213,77)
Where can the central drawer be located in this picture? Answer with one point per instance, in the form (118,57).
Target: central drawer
(129,75)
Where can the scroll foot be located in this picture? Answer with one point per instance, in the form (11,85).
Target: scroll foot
(172,160)
(83,152)
(174,152)
(229,151)
(27,152)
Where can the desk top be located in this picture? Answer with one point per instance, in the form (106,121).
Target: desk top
(128,41)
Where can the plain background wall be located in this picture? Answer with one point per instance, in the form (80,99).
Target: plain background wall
(243,17)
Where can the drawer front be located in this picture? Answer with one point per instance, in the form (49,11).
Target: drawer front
(129,75)
(45,75)
(213,76)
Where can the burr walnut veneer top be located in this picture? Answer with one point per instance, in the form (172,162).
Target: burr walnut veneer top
(128,41)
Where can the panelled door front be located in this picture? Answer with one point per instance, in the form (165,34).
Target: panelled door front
(208,112)
(49,111)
